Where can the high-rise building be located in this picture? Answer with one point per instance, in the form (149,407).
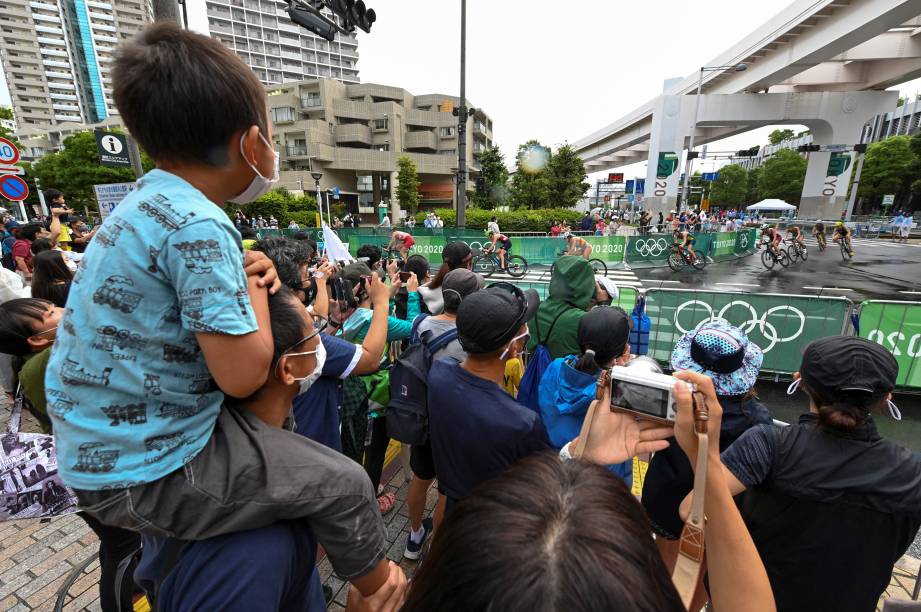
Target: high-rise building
(261,33)
(57,56)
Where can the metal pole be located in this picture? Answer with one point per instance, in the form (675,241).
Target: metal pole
(320,203)
(687,169)
(597,192)
(462,126)
(165,10)
(854,185)
(41,196)
(134,154)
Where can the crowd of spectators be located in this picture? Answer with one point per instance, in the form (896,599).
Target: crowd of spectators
(237,417)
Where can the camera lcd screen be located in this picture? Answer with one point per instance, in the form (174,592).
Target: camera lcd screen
(640,398)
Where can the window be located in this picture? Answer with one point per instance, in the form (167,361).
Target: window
(382,147)
(380,124)
(283,114)
(447,131)
(311,100)
(449,152)
(365,182)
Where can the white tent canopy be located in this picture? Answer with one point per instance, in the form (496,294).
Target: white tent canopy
(771,204)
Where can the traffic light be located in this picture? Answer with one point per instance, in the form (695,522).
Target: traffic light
(860,148)
(480,185)
(809,148)
(753,152)
(353,13)
(308,16)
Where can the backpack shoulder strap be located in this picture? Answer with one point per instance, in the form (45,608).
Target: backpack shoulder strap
(443,340)
(414,334)
(552,325)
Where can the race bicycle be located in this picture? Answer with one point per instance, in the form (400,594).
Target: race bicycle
(681,257)
(487,264)
(847,252)
(796,250)
(770,257)
(597,264)
(820,238)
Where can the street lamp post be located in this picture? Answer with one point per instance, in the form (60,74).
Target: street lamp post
(462,126)
(316,177)
(700,82)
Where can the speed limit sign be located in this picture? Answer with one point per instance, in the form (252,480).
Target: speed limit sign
(9,154)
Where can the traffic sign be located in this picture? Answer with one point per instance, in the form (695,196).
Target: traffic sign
(628,187)
(12,170)
(889,199)
(113,149)
(13,188)
(9,154)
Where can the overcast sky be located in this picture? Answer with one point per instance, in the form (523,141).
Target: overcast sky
(543,71)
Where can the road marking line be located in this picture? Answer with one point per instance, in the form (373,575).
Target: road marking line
(664,281)
(829,288)
(911,292)
(738,284)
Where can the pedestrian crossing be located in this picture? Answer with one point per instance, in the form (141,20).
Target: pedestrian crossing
(872,242)
(622,277)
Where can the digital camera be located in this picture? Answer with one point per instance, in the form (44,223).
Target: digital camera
(645,393)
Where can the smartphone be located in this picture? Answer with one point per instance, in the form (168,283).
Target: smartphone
(404,276)
(646,394)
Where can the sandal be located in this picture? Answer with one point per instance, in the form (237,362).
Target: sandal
(386,502)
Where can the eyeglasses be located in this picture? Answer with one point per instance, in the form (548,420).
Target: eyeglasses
(319,324)
(41,333)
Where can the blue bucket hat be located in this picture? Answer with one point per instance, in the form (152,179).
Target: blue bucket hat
(722,352)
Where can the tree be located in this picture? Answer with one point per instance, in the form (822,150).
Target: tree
(530,185)
(730,187)
(494,173)
(75,169)
(407,184)
(888,167)
(782,177)
(279,203)
(778,136)
(565,178)
(751,189)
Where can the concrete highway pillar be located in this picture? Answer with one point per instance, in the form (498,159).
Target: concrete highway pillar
(825,188)
(663,169)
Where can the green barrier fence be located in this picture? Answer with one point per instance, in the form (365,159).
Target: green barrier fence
(897,327)
(654,249)
(780,324)
(626,300)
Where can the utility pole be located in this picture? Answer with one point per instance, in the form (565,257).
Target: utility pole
(166,10)
(462,126)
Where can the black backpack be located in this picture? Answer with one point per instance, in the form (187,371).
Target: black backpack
(407,414)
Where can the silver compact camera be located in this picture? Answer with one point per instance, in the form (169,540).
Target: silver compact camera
(645,392)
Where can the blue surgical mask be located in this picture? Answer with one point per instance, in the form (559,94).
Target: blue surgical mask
(260,185)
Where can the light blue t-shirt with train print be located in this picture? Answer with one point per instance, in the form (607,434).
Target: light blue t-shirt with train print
(129,393)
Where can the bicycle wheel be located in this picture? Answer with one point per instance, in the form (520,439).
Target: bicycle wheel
(803,253)
(598,266)
(675,261)
(516,265)
(791,253)
(766,259)
(484,264)
(700,261)
(821,242)
(783,258)
(845,254)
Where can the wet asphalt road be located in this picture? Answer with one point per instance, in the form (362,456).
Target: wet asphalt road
(880,270)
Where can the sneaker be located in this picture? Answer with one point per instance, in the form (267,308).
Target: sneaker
(413,550)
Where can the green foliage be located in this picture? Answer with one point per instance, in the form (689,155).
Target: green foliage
(75,169)
(495,175)
(513,221)
(751,189)
(302,218)
(782,177)
(566,178)
(530,183)
(778,136)
(6,112)
(890,166)
(730,187)
(407,184)
(281,204)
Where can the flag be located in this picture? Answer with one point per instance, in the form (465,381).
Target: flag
(335,250)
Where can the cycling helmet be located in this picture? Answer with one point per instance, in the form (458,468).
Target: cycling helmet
(567,234)
(839,223)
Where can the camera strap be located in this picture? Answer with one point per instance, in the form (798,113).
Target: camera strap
(691,544)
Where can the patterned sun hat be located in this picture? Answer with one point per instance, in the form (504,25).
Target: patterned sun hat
(721,351)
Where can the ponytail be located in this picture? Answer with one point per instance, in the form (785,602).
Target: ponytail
(846,412)
(586,363)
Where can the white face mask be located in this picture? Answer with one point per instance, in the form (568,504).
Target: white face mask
(307,381)
(260,184)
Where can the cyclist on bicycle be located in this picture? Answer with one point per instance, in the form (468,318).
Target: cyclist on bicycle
(772,237)
(685,240)
(796,234)
(818,230)
(504,245)
(402,241)
(843,232)
(576,245)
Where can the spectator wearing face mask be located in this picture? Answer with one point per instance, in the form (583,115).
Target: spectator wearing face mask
(830,504)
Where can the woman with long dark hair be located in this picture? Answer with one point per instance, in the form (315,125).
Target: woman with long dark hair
(51,277)
(455,255)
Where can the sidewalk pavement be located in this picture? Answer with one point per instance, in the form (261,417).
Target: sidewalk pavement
(37,557)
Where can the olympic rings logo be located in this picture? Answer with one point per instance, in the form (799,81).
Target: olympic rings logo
(651,247)
(768,330)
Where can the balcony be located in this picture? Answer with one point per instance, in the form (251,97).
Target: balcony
(420,141)
(296,151)
(429,119)
(353,133)
(311,103)
(352,110)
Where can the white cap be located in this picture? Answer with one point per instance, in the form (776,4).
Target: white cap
(608,285)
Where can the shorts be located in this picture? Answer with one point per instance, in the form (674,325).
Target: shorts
(507,245)
(421,461)
(408,242)
(903,231)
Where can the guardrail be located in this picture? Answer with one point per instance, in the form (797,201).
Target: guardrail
(897,327)
(778,323)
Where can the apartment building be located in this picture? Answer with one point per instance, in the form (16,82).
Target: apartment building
(57,56)
(354,134)
(262,34)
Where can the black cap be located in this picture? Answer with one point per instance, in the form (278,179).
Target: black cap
(488,319)
(835,365)
(455,253)
(354,271)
